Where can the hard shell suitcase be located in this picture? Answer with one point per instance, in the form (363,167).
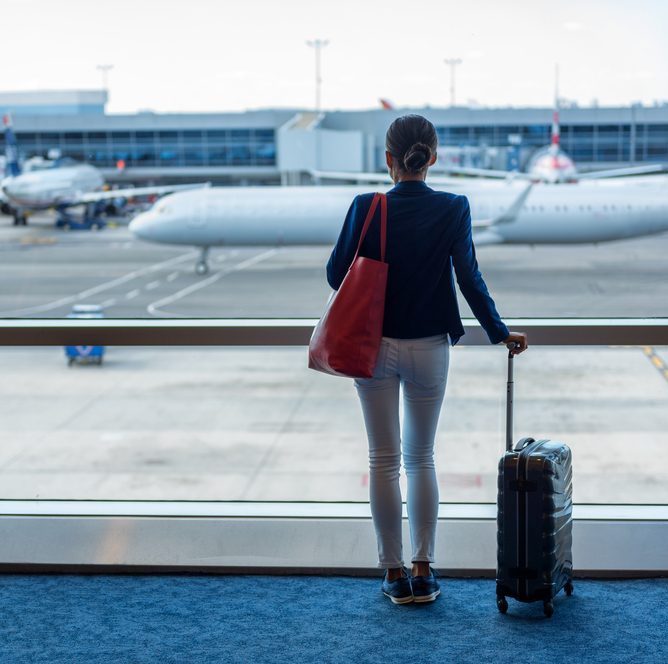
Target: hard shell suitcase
(535,500)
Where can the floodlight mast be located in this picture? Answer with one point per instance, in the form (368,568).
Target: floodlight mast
(104,70)
(452,63)
(317,45)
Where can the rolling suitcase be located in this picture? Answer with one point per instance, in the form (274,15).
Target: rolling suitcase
(534,519)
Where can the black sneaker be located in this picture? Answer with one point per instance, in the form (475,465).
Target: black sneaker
(425,588)
(399,590)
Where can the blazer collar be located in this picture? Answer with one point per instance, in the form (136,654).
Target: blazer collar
(410,187)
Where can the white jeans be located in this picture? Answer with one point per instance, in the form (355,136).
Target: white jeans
(420,367)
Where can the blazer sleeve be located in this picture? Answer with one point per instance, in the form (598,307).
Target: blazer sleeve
(470,280)
(345,247)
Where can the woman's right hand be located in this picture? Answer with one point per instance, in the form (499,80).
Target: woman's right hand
(519,338)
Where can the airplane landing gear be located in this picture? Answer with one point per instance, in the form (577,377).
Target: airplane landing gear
(202,266)
(20,218)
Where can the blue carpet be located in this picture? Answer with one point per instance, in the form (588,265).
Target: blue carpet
(254,619)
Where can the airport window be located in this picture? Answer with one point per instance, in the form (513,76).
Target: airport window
(455,135)
(50,137)
(607,154)
(608,130)
(144,157)
(218,156)
(200,423)
(240,155)
(73,153)
(536,135)
(100,158)
(194,157)
(583,154)
(265,153)
(168,156)
(484,133)
(119,154)
(236,422)
(144,137)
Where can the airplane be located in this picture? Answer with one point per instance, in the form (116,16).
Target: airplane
(61,185)
(552,165)
(503,212)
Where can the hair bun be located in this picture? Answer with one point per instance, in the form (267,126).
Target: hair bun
(417,157)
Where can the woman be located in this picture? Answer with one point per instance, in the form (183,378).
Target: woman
(429,233)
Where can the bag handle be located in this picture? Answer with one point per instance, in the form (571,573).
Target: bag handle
(383,224)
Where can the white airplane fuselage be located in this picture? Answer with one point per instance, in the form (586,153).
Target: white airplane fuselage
(42,189)
(585,212)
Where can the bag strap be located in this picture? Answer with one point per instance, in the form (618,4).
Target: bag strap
(383,224)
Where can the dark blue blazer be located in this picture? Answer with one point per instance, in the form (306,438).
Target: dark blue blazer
(428,233)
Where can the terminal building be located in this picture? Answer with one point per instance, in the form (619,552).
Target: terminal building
(283,145)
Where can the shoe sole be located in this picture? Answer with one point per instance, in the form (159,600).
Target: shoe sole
(399,600)
(426,598)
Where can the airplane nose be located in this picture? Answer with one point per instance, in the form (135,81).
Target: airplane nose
(12,190)
(143,226)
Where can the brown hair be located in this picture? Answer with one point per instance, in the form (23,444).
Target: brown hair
(412,140)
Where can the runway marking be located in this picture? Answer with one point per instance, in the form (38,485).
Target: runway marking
(656,360)
(154,307)
(108,303)
(69,299)
(132,294)
(152,285)
(173,276)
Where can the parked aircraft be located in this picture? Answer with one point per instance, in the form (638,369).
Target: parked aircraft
(552,165)
(503,213)
(60,185)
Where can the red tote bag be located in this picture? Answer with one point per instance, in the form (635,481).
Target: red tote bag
(346,340)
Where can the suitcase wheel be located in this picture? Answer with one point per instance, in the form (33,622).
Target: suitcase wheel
(502,604)
(548,608)
(569,589)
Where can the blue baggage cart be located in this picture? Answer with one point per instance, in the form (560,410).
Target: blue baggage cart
(85,354)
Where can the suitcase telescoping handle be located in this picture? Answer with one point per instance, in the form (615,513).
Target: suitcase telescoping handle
(510,391)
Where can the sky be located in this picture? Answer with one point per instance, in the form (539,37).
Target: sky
(233,55)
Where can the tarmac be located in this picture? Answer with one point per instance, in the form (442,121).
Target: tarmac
(256,424)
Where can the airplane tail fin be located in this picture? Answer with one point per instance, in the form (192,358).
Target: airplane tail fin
(555,133)
(12,167)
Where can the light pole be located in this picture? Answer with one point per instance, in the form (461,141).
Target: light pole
(317,45)
(452,63)
(105,69)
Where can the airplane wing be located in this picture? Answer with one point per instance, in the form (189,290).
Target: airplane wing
(447,179)
(380,178)
(488,173)
(132,192)
(508,215)
(621,172)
